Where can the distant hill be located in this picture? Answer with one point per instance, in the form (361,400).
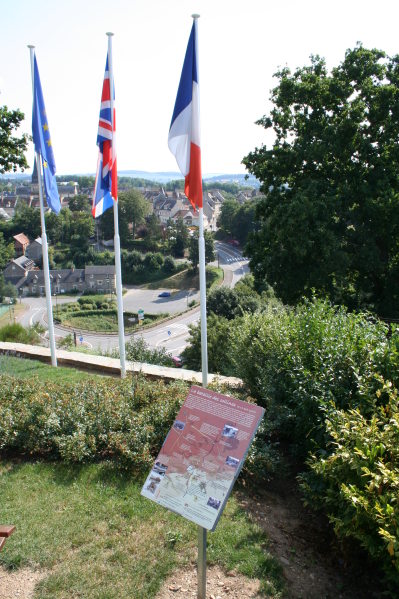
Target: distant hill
(239,179)
(161,177)
(165,177)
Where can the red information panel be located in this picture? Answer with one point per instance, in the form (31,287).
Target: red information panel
(202,455)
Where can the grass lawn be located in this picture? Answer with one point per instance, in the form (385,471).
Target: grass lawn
(187,280)
(22,368)
(5,315)
(87,527)
(99,539)
(104,322)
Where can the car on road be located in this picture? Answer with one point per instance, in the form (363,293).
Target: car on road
(164,294)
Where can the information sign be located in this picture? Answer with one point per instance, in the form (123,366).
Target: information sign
(140,314)
(202,456)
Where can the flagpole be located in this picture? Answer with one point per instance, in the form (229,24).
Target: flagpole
(117,244)
(202,275)
(202,532)
(46,270)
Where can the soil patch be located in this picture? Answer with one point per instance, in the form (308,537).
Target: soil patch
(305,546)
(19,584)
(183,585)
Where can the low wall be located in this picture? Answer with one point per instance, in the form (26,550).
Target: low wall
(111,366)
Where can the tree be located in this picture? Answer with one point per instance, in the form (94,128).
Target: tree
(219,331)
(6,252)
(244,221)
(194,250)
(133,208)
(79,203)
(7,289)
(154,229)
(27,220)
(223,301)
(11,148)
(227,216)
(330,217)
(54,225)
(178,237)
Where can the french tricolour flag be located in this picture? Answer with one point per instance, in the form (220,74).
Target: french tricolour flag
(106,187)
(184,133)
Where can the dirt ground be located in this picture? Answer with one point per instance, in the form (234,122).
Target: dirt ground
(312,566)
(19,584)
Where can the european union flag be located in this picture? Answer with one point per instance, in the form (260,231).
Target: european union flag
(42,141)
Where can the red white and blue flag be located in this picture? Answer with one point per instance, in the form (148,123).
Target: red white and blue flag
(184,132)
(106,185)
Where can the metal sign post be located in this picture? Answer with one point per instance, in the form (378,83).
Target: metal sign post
(201,566)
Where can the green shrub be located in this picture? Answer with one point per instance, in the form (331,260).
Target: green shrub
(302,364)
(126,420)
(137,350)
(169,265)
(17,333)
(357,484)
(123,420)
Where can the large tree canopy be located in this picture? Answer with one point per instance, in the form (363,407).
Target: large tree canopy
(12,148)
(330,217)
(132,210)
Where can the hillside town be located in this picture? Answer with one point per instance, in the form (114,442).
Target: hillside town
(24,270)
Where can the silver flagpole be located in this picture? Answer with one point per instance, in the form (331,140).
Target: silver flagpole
(46,270)
(117,244)
(202,532)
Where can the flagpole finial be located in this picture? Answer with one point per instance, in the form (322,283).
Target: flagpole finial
(195,16)
(109,33)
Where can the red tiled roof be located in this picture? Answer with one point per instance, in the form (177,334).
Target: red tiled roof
(22,238)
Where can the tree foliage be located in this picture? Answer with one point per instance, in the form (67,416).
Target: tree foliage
(219,330)
(79,203)
(132,210)
(330,217)
(6,252)
(237,220)
(193,249)
(177,237)
(12,148)
(26,220)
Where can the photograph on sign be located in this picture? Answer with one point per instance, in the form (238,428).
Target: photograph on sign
(202,455)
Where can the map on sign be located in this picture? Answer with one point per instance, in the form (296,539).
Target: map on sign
(202,455)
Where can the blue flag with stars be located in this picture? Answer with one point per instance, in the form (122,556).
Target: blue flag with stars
(42,141)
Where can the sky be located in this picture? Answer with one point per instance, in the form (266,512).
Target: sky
(241,45)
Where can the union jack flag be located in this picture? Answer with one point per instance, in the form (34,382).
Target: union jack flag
(106,185)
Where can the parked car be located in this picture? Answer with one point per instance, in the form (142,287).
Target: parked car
(164,294)
(178,361)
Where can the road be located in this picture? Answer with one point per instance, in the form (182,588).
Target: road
(172,335)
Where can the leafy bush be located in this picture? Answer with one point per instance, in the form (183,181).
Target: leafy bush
(16,332)
(123,420)
(137,350)
(85,301)
(126,420)
(224,301)
(169,265)
(358,482)
(303,364)
(218,335)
